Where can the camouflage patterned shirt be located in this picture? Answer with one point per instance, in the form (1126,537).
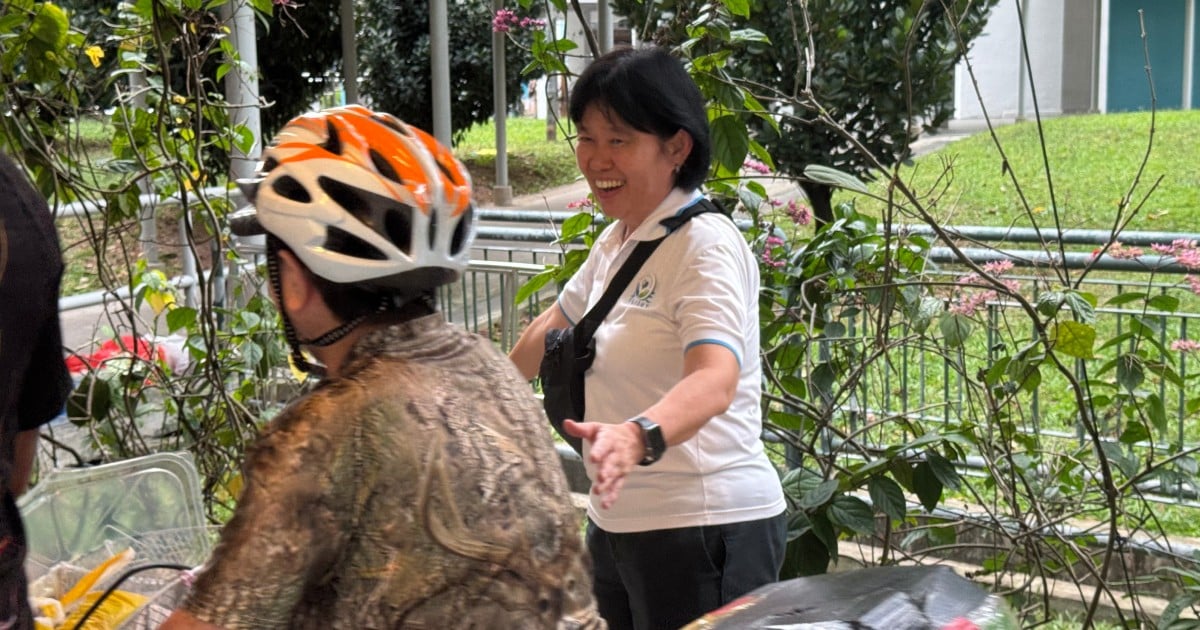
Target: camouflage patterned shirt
(420,489)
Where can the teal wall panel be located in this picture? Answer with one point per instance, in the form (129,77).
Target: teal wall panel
(1128,88)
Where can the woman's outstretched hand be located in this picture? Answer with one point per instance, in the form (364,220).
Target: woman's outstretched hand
(615,449)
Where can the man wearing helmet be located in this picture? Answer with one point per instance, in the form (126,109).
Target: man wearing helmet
(416,485)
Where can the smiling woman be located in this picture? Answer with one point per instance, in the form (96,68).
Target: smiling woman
(686,510)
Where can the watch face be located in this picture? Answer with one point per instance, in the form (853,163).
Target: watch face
(653,437)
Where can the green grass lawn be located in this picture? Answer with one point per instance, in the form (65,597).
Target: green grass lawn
(1093,162)
(535,162)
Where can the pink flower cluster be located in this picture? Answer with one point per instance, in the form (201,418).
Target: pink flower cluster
(1185,345)
(1185,252)
(1194,282)
(971,302)
(1117,250)
(768,255)
(799,212)
(581,204)
(756,166)
(505,19)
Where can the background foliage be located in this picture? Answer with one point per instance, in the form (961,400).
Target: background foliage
(394,46)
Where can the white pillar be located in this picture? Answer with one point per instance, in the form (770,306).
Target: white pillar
(439,58)
(241,89)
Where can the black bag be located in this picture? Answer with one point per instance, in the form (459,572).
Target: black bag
(562,369)
(569,352)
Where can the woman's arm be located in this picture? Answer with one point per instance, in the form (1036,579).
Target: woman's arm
(528,351)
(24,450)
(706,390)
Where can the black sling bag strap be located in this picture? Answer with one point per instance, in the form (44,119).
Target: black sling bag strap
(569,352)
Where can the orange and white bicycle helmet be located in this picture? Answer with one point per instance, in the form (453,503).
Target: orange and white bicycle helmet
(363,198)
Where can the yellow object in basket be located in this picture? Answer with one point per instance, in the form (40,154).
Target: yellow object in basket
(112,612)
(116,563)
(47,608)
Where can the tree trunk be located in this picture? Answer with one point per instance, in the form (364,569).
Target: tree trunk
(819,196)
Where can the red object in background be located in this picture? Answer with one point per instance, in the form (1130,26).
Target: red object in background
(125,346)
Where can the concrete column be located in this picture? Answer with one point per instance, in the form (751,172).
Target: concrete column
(501,192)
(439,58)
(349,51)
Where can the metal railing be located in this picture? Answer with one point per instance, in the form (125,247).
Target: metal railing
(513,246)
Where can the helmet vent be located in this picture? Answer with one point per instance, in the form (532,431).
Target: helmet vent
(397,225)
(343,242)
(384,167)
(333,142)
(393,124)
(433,229)
(288,188)
(460,231)
(448,172)
(269,165)
(387,217)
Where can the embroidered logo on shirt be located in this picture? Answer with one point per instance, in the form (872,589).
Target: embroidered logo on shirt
(643,292)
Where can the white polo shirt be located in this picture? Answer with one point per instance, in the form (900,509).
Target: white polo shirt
(699,287)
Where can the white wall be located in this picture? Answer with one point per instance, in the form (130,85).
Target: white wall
(995,58)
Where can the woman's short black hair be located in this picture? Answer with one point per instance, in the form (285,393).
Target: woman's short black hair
(652,92)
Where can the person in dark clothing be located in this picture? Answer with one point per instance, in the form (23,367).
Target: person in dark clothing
(34,382)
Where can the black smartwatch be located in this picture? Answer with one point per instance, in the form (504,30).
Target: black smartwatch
(652,439)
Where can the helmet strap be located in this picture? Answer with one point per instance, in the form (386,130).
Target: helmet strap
(289,331)
(333,336)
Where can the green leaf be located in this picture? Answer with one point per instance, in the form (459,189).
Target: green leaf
(1127,463)
(740,8)
(1157,413)
(748,35)
(943,469)
(806,555)
(888,497)
(956,328)
(819,495)
(180,317)
(1129,371)
(1134,432)
(833,177)
(1049,302)
(1125,298)
(1163,302)
(1083,305)
(943,536)
(852,513)
(531,287)
(575,225)
(50,25)
(927,486)
(731,142)
(91,400)
(926,310)
(825,532)
(1074,339)
(252,354)
(996,371)
(750,198)
(1188,465)
(1175,608)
